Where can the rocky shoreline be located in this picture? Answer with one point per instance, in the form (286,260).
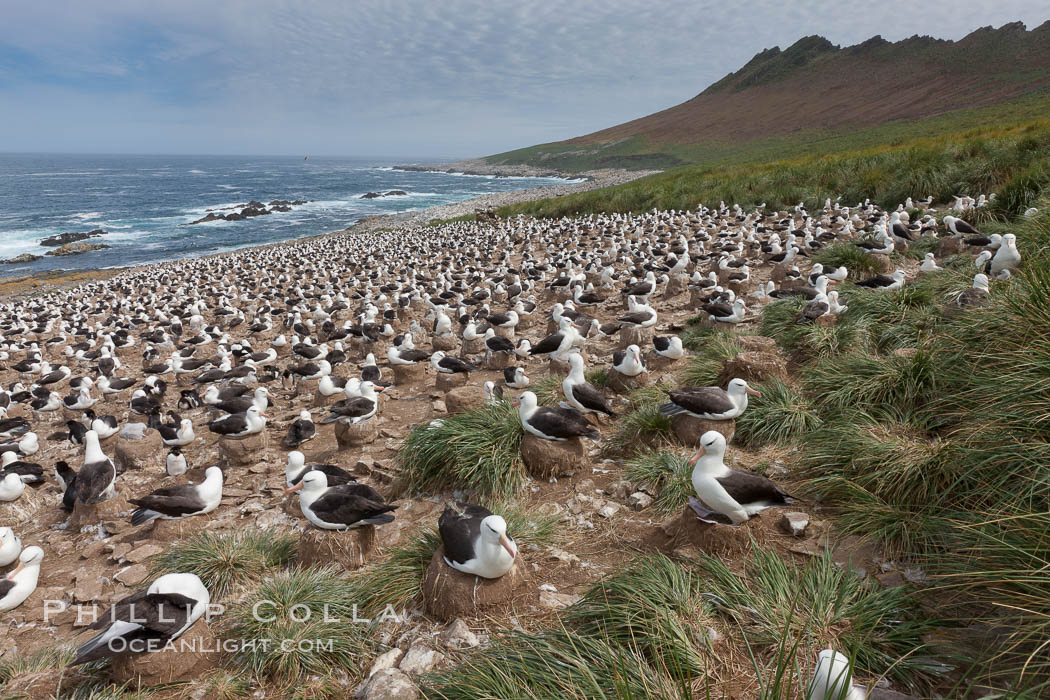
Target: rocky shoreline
(479,166)
(16,287)
(594,179)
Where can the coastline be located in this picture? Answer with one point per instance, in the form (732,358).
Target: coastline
(479,166)
(592,180)
(26,286)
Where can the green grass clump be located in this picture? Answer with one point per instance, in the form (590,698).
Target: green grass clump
(559,663)
(918,249)
(704,363)
(859,263)
(641,426)
(291,617)
(823,604)
(599,377)
(476,451)
(809,340)
(889,383)
(224,562)
(644,632)
(548,391)
(222,685)
(667,472)
(780,415)
(656,606)
(639,634)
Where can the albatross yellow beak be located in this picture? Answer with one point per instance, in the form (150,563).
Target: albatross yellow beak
(295,488)
(11,576)
(753,392)
(505,541)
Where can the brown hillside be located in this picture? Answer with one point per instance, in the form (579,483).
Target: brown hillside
(816,85)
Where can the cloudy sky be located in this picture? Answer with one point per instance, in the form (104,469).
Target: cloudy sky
(399,78)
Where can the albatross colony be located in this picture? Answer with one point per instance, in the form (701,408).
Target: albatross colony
(216,365)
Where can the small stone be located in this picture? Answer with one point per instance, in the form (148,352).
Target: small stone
(388,659)
(567,557)
(794,523)
(548,587)
(639,500)
(132,575)
(389,684)
(458,636)
(421,659)
(620,489)
(119,551)
(88,587)
(438,406)
(557,601)
(609,510)
(143,553)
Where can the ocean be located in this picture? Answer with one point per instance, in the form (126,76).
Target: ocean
(146,202)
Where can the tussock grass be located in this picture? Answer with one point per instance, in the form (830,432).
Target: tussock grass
(914,164)
(781,414)
(108,691)
(642,426)
(942,453)
(918,249)
(396,580)
(643,633)
(224,562)
(889,383)
(822,604)
(704,363)
(548,391)
(667,472)
(559,663)
(476,451)
(44,659)
(222,685)
(14,664)
(655,606)
(809,340)
(636,634)
(859,264)
(599,377)
(292,615)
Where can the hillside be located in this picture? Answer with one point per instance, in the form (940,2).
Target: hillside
(814,90)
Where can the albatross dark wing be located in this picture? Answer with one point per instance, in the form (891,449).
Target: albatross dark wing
(701,400)
(159,617)
(746,487)
(352,503)
(460,527)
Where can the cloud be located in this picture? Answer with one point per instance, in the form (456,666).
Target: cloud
(460,77)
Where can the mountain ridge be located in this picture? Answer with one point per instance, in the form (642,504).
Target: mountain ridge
(815,86)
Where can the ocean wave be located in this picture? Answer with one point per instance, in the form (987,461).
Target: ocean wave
(197,172)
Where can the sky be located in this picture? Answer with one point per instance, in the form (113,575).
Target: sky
(397,78)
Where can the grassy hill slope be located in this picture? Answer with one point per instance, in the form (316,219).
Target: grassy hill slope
(814,91)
